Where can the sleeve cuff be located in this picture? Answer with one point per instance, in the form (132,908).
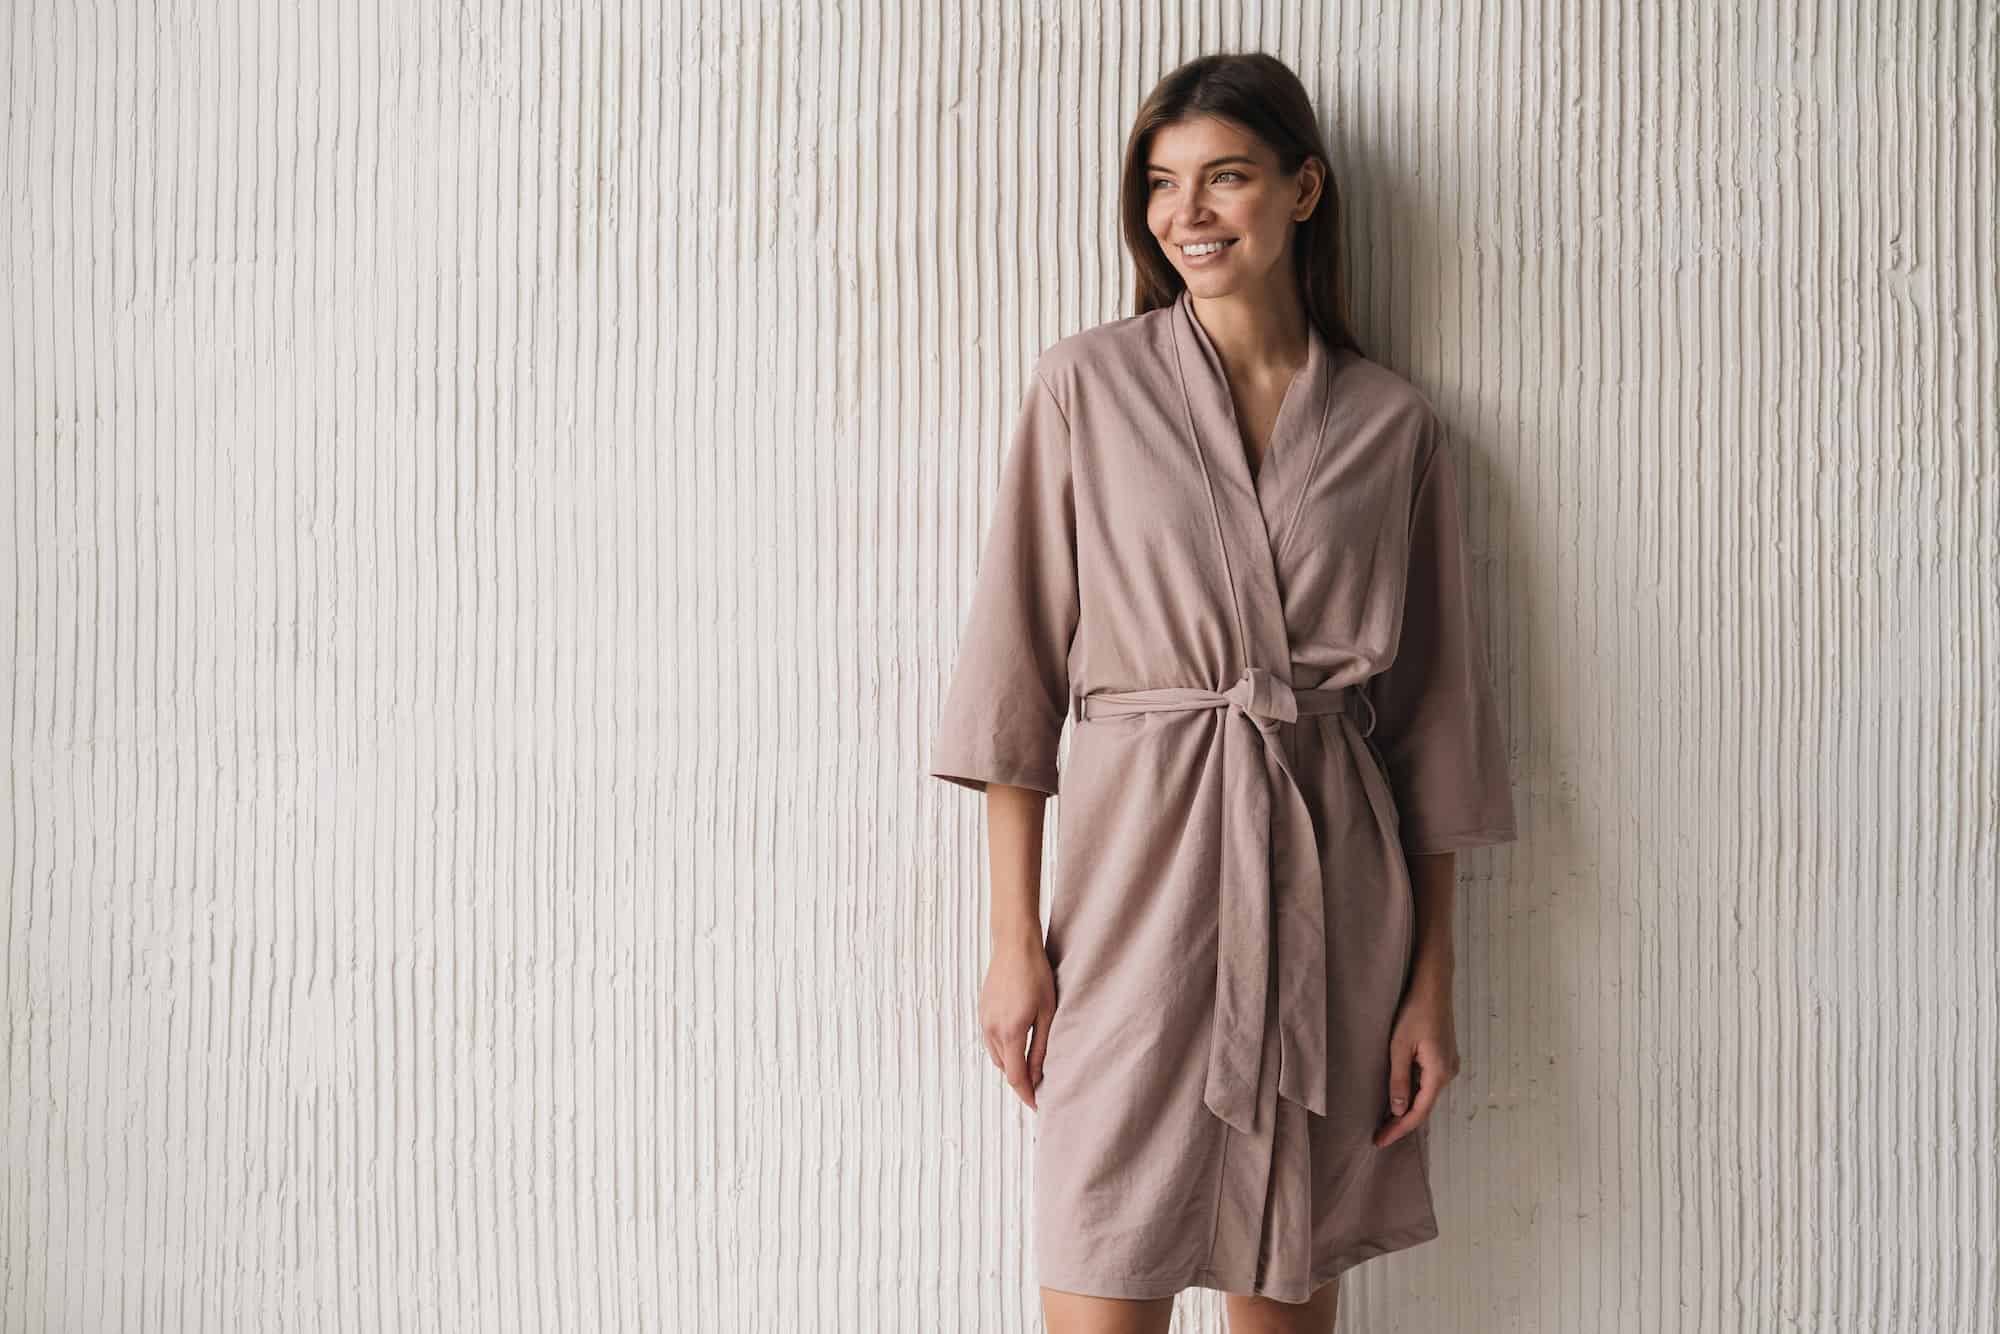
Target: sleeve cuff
(976,774)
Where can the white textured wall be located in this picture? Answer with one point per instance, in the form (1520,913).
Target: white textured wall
(492,495)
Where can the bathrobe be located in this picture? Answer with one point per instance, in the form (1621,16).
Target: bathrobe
(1279,695)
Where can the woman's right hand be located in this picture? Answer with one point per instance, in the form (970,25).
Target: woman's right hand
(1019,998)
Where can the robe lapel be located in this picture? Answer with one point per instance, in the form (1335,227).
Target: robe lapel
(1255,515)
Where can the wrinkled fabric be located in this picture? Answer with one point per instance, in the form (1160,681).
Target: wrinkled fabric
(1280,696)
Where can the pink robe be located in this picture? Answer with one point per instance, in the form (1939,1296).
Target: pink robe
(1279,692)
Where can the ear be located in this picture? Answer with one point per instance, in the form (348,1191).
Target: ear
(1312,179)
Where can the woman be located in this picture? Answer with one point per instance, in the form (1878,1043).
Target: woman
(1231,545)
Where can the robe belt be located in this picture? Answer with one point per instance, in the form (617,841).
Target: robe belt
(1265,820)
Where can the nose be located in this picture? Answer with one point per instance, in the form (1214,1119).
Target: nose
(1192,209)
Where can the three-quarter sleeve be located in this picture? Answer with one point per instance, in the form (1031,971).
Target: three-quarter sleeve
(1009,693)
(1437,724)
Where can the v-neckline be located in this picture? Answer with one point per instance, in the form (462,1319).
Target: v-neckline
(1254,514)
(1305,394)
(1256,469)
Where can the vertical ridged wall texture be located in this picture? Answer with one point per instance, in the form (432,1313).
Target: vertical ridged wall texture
(492,501)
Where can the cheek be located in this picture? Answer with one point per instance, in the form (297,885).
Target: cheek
(1260,229)
(1266,239)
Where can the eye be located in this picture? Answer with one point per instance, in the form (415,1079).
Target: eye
(1237,174)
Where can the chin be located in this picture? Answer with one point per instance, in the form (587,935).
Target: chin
(1210,285)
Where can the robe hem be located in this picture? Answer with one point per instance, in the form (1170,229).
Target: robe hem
(1142,1287)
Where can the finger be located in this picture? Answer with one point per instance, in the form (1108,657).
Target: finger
(1394,1129)
(1400,1055)
(1428,1089)
(1402,1116)
(1427,1096)
(1039,1048)
(1017,1072)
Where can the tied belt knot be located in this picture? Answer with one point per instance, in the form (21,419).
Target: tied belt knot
(1271,892)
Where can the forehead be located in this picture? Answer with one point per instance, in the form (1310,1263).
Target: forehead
(1191,142)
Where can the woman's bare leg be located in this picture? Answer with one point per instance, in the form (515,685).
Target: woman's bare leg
(1262,1315)
(1074,1313)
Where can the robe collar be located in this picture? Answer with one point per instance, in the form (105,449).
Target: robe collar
(1255,516)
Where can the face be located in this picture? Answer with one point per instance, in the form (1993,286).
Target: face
(1209,179)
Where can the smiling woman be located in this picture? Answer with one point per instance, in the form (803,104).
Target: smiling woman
(1229,545)
(1227,148)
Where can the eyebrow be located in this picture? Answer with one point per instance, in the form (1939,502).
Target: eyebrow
(1212,162)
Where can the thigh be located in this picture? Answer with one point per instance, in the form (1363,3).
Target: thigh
(1262,1315)
(1075,1313)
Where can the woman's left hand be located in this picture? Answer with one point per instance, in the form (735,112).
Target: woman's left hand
(1422,1044)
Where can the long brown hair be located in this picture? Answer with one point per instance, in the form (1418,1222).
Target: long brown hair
(1260,93)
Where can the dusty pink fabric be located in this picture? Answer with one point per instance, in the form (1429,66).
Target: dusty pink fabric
(1230,922)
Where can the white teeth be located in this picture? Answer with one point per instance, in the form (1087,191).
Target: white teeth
(1206,249)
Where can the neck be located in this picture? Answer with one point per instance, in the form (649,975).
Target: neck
(1255,331)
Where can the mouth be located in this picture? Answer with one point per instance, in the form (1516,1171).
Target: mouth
(1204,249)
